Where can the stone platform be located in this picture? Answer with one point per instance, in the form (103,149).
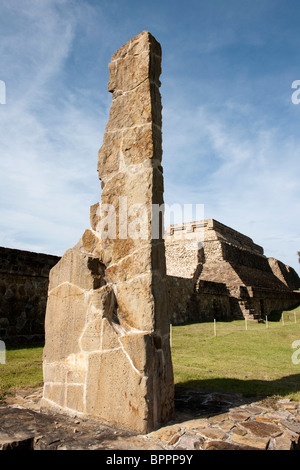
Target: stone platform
(203,420)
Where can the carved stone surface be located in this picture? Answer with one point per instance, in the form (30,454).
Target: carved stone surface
(107,352)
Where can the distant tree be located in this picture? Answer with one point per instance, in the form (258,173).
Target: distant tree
(299,256)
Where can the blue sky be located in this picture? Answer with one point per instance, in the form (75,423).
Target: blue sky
(231,137)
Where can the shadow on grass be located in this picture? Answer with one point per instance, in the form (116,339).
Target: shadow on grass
(205,398)
(262,388)
(275,315)
(29,345)
(248,388)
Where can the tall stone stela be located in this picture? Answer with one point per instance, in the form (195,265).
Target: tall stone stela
(107,349)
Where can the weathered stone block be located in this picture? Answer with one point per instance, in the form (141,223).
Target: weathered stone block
(113,384)
(91,337)
(54,392)
(75,397)
(110,336)
(109,154)
(107,324)
(91,240)
(128,73)
(94,216)
(136,303)
(55,372)
(140,144)
(135,62)
(138,262)
(103,301)
(66,309)
(139,102)
(75,267)
(139,347)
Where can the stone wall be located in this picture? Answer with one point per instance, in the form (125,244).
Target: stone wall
(181,302)
(213,301)
(24,278)
(265,301)
(182,258)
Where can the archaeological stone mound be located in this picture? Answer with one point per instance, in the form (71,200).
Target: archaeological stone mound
(107,349)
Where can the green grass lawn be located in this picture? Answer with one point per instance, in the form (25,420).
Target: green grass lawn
(256,361)
(22,369)
(253,361)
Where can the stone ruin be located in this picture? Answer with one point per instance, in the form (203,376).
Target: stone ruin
(111,298)
(225,277)
(107,349)
(24,279)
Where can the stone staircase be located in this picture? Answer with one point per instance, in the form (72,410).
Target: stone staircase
(249,311)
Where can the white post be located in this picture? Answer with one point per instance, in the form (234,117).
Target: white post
(295,317)
(282,317)
(267,321)
(215,327)
(2,353)
(246,327)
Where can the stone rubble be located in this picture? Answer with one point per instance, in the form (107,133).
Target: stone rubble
(204,420)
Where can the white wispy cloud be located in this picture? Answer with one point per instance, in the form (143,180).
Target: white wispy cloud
(49,140)
(247,176)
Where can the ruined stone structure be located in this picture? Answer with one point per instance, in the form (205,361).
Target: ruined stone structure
(226,277)
(111,296)
(107,352)
(24,279)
